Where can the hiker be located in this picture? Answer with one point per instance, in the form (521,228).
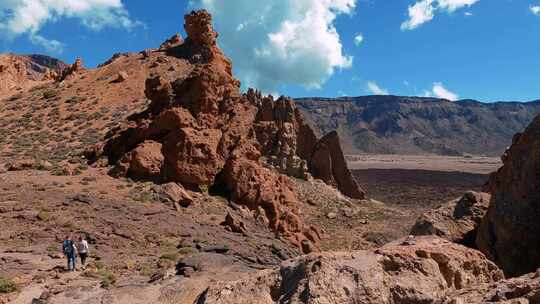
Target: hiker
(70,251)
(83,249)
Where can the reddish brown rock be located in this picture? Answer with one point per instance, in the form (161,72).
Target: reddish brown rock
(457,220)
(211,135)
(510,231)
(145,161)
(291,146)
(234,224)
(328,163)
(255,186)
(121,77)
(191,156)
(395,274)
(521,290)
(173,193)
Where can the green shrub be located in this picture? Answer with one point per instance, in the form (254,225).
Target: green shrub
(146,270)
(49,94)
(44,216)
(171,256)
(107,278)
(7,286)
(186,250)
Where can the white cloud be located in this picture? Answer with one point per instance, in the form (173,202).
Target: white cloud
(440,91)
(468,14)
(535,9)
(373,88)
(19,17)
(358,39)
(283,41)
(51,46)
(424,11)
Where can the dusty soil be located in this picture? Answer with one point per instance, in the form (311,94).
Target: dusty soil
(417,189)
(469,164)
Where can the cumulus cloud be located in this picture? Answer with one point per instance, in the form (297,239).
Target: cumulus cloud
(535,9)
(358,39)
(20,17)
(374,89)
(440,91)
(279,42)
(424,11)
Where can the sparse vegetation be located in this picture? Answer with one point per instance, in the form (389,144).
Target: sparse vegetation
(44,216)
(170,256)
(7,285)
(146,270)
(50,94)
(186,250)
(107,279)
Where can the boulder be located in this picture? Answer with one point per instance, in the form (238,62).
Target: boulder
(457,220)
(510,231)
(396,274)
(235,224)
(121,77)
(146,160)
(173,193)
(520,290)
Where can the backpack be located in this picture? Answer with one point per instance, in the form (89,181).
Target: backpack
(68,247)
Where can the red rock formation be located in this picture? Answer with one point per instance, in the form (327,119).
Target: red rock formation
(510,231)
(17,71)
(200,131)
(210,134)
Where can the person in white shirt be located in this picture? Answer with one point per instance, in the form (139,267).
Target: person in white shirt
(83,249)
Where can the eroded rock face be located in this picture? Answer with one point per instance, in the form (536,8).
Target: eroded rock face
(396,274)
(328,162)
(457,220)
(520,290)
(290,145)
(200,131)
(510,231)
(16,71)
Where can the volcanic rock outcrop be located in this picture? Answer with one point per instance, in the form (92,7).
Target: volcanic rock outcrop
(290,145)
(71,71)
(510,231)
(457,220)
(421,273)
(200,131)
(16,71)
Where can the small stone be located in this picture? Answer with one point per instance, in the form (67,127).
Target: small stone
(122,76)
(331,215)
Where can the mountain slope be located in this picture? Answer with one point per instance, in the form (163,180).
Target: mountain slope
(414,125)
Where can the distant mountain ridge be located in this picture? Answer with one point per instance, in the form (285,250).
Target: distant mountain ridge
(419,125)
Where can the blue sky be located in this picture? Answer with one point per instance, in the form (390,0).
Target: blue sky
(480,49)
